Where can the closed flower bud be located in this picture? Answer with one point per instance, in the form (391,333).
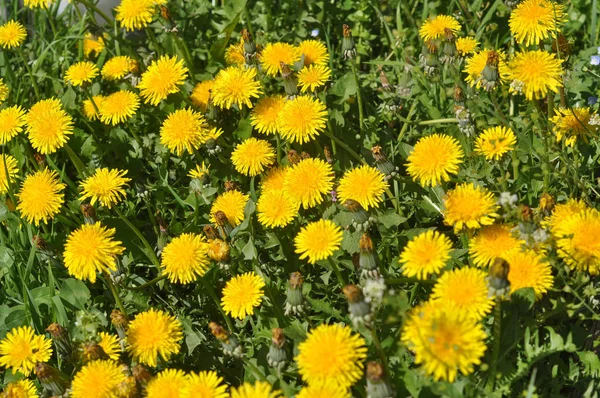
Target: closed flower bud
(498,278)
(128,388)
(141,375)
(382,162)
(546,203)
(91,351)
(231,185)
(448,47)
(294,303)
(224,226)
(328,154)
(290,82)
(490,76)
(377,387)
(250,51)
(293,157)
(348,46)
(385,83)
(40,159)
(360,216)
(277,356)
(89,213)
(51,379)
(359,309)
(62,341)
(120,322)
(561,45)
(210,232)
(525,213)
(368,257)
(229,343)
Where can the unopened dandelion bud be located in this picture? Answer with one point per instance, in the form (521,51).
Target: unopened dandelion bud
(89,213)
(290,82)
(127,388)
(277,356)
(40,159)
(358,212)
(328,154)
(448,47)
(367,257)
(546,203)
(210,232)
(459,95)
(377,387)
(223,224)
(561,46)
(250,50)
(231,186)
(229,343)
(61,339)
(498,278)
(525,214)
(120,322)
(92,351)
(359,309)
(51,379)
(428,59)
(490,76)
(141,375)
(348,46)
(294,303)
(382,162)
(39,242)
(293,157)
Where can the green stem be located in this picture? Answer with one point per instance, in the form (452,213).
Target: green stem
(338,274)
(149,283)
(149,251)
(399,281)
(361,116)
(115,293)
(81,169)
(344,146)
(152,37)
(496,345)
(95,9)
(380,352)
(30,72)
(213,295)
(437,121)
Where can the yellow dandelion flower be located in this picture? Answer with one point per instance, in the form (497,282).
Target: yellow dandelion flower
(153,333)
(426,254)
(234,54)
(212,134)
(466,45)
(3,91)
(331,353)
(22,349)
(466,290)
(183,130)
(184,258)
(312,77)
(8,165)
(314,52)
(12,34)
(469,206)
(98,379)
(274,54)
(533,21)
(81,72)
(363,184)
(529,269)
(218,250)
(577,241)
(308,181)
(93,45)
(91,110)
(265,114)
(163,77)
(20,389)
(495,142)
(563,216)
(136,14)
(44,4)
(302,119)
(201,93)
(118,107)
(118,67)
(110,345)
(324,389)
(235,85)
(434,27)
(276,209)
(48,126)
(434,158)
(200,171)
(274,178)
(260,389)
(572,124)
(241,294)
(232,203)
(40,197)
(91,249)
(475,65)
(444,341)
(205,384)
(252,156)
(318,240)
(170,383)
(492,242)
(105,186)
(537,73)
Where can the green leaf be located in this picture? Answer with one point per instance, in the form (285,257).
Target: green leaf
(75,292)
(391,219)
(6,257)
(243,130)
(350,241)
(525,295)
(345,87)
(249,250)
(69,99)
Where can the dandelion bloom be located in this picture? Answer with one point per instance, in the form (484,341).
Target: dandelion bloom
(466,45)
(22,349)
(98,379)
(444,341)
(577,241)
(118,107)
(529,269)
(492,242)
(241,294)
(110,345)
(314,52)
(260,389)
(426,254)
(324,389)
(434,158)
(265,114)
(476,64)
(163,77)
(274,54)
(20,389)
(302,119)
(8,171)
(276,209)
(40,197)
(184,258)
(168,383)
(232,203)
(81,72)
(153,333)
(469,206)
(200,171)
(183,130)
(572,124)
(234,54)
(563,216)
(44,4)
(537,73)
(118,67)
(12,34)
(274,178)
(318,240)
(205,384)
(308,181)
(312,77)
(363,184)
(252,156)
(435,27)
(48,126)
(136,14)
(495,142)
(105,186)
(466,290)
(331,353)
(91,249)
(235,85)
(533,21)
(91,107)
(93,45)
(201,94)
